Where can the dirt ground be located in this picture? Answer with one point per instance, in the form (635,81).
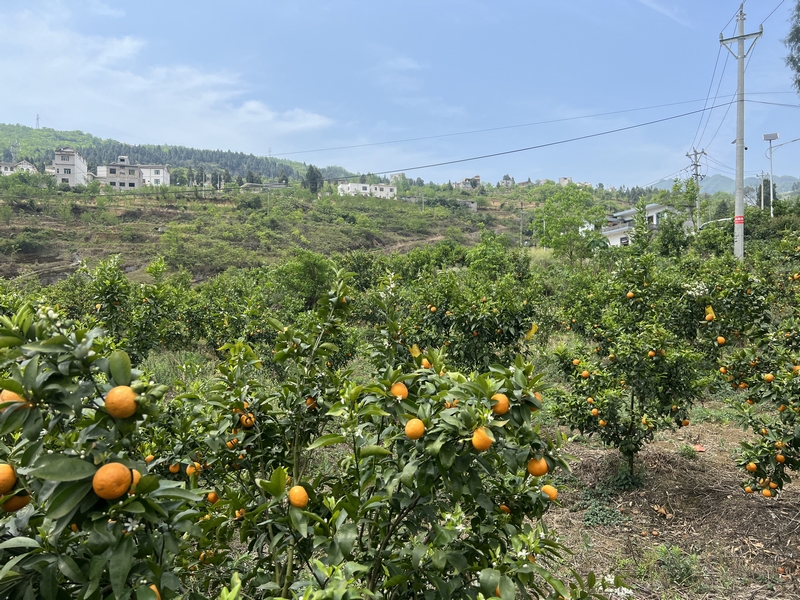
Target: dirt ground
(689,531)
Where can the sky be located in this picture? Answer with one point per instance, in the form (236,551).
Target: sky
(393,86)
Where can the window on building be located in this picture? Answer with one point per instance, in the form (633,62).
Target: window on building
(381,189)
(158,182)
(114,183)
(157,172)
(5,168)
(623,241)
(131,171)
(131,184)
(65,158)
(112,171)
(67,171)
(391,190)
(363,188)
(64,180)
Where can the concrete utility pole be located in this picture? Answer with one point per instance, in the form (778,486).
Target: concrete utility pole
(762,190)
(694,156)
(740,55)
(770,137)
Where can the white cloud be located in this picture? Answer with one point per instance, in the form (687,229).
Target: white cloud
(671,13)
(100,84)
(103,9)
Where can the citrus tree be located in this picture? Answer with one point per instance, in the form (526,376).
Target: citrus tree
(83,516)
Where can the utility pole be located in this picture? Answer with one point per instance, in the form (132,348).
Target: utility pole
(762,190)
(520,223)
(694,156)
(37,121)
(740,55)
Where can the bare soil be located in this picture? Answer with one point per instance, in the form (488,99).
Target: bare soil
(689,531)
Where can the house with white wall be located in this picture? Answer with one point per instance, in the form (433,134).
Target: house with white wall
(620,225)
(154,174)
(69,167)
(377,190)
(9,168)
(121,174)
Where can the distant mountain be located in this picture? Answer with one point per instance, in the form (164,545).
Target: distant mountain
(38,145)
(721,183)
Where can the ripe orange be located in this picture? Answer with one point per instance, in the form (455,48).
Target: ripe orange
(773,485)
(231,443)
(135,478)
(501,406)
(590,400)
(720,340)
(193,468)
(630,295)
(752,467)
(766,492)
(576,361)
(685,423)
(121,402)
(399,390)
(585,374)
(769,377)
(9,396)
(298,496)
(551,492)
(748,490)
(780,458)
(426,364)
(796,369)
(311,403)
(602,423)
(481,441)
(112,480)
(149,458)
(8,479)
(247,421)
(595,412)
(14,503)
(723,370)
(538,467)
(414,429)
(155,591)
(651,354)
(505,509)
(710,317)
(212,497)
(433,309)
(174,468)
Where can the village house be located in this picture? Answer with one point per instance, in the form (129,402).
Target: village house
(620,225)
(9,168)
(378,190)
(69,167)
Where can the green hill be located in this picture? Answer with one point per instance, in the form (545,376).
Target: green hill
(37,146)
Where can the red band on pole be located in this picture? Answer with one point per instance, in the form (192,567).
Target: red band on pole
(738,220)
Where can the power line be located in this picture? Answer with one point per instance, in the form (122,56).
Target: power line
(708,95)
(773,11)
(545,145)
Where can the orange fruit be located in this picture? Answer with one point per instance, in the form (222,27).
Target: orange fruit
(538,467)
(231,443)
(399,390)
(149,458)
(481,441)
(576,361)
(193,468)
(752,467)
(595,412)
(136,476)
(551,492)
(414,429)
(766,492)
(685,423)
(630,295)
(174,468)
(14,503)
(585,374)
(155,591)
(748,490)
(298,496)
(590,400)
(212,497)
(505,509)
(433,309)
(311,403)
(426,364)
(247,421)
(7,396)
(602,423)
(121,402)
(769,377)
(780,458)
(651,354)
(501,405)
(112,480)
(710,317)
(8,479)
(723,370)
(773,485)
(720,340)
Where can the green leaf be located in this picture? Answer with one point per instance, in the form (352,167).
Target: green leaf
(70,569)
(372,450)
(371,410)
(346,537)
(12,385)
(62,468)
(66,497)
(119,565)
(490,579)
(119,363)
(327,440)
(277,482)
(20,542)
(8,341)
(147,484)
(299,521)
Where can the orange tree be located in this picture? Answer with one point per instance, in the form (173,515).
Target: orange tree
(637,376)
(82,515)
(414,481)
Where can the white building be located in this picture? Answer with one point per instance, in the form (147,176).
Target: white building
(9,168)
(121,174)
(69,167)
(154,174)
(564,181)
(378,190)
(468,183)
(621,224)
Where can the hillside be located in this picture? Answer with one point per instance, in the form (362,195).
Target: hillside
(37,146)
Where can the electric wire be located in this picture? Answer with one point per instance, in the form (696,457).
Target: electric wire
(773,11)
(708,95)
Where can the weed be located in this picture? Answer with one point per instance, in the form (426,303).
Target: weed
(678,567)
(688,452)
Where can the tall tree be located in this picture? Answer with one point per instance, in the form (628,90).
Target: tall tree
(314,179)
(569,222)
(792,42)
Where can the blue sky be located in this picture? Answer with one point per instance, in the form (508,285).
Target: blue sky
(299,78)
